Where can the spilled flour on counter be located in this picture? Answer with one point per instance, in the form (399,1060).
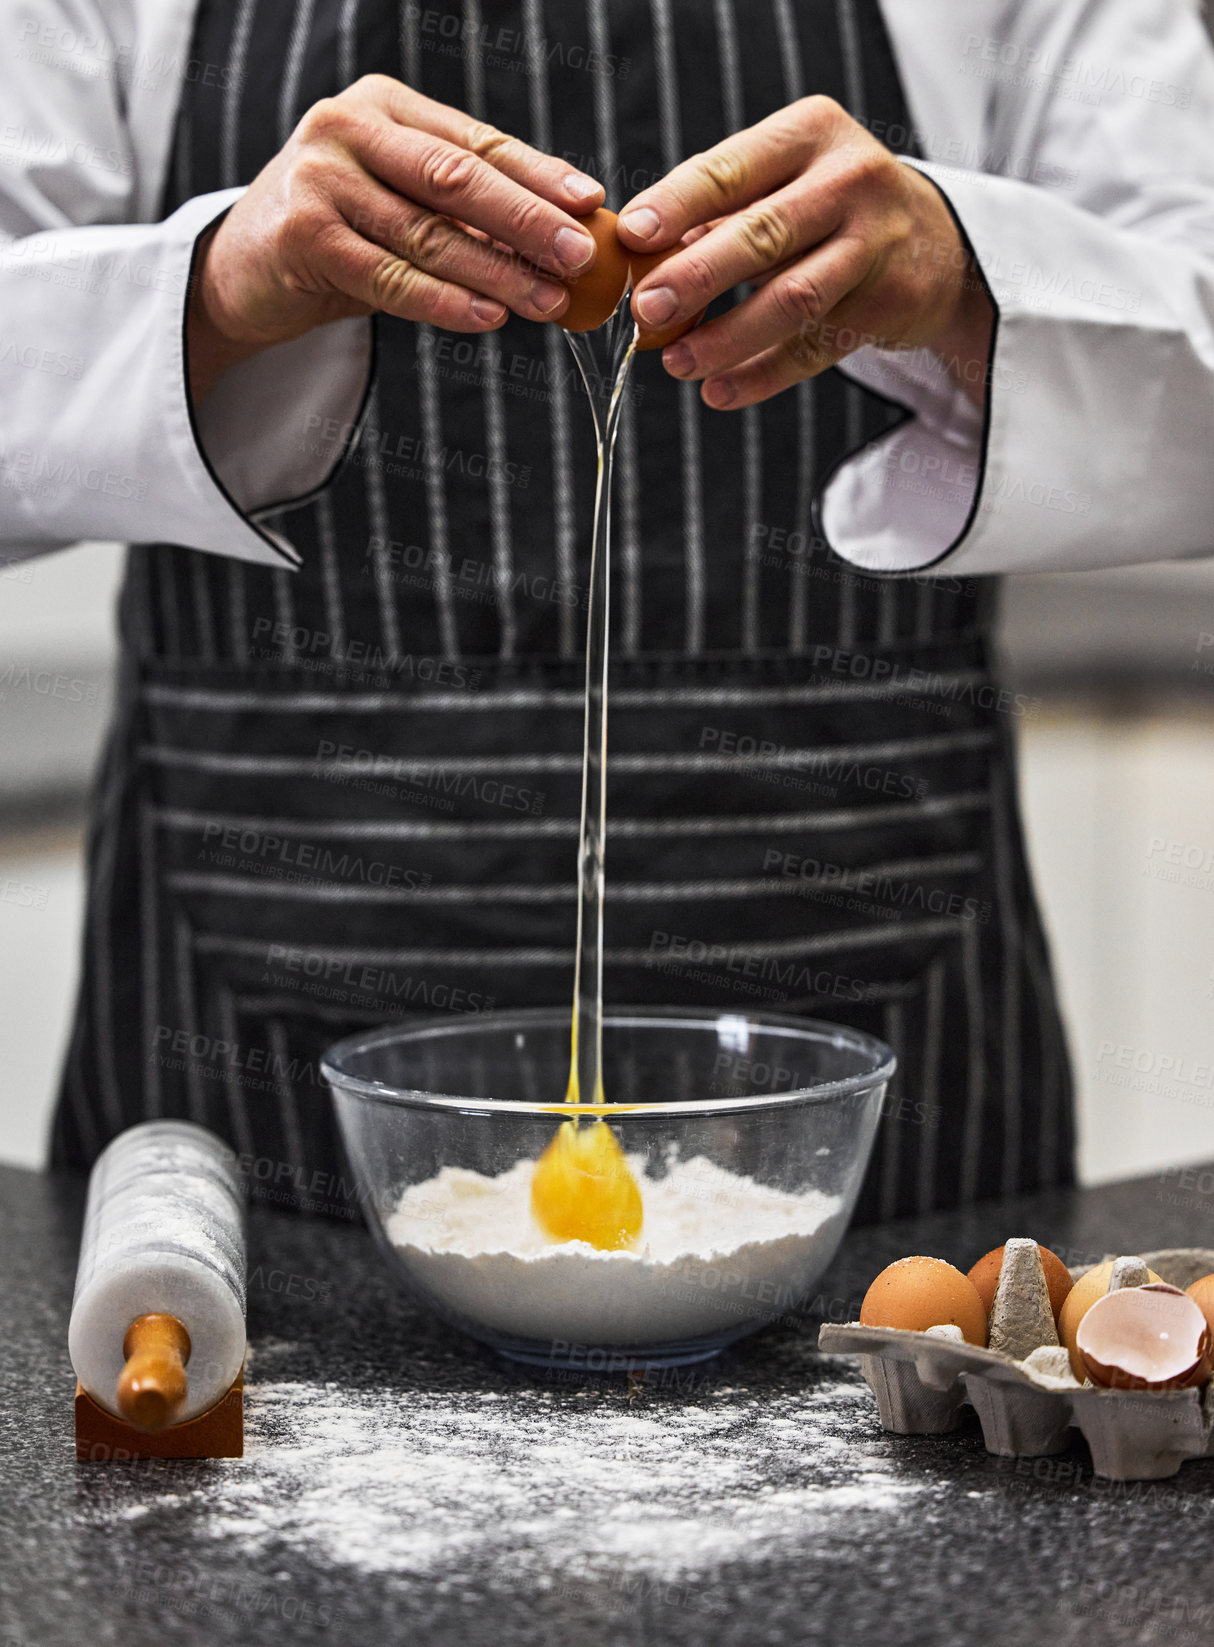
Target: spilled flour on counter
(715,1250)
(492,1488)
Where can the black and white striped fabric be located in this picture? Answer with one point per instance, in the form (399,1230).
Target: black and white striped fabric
(350,794)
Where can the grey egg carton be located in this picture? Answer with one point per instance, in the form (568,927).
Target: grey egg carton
(1022,1388)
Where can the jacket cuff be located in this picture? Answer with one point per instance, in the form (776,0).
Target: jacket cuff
(908,500)
(1094,449)
(276,428)
(115,451)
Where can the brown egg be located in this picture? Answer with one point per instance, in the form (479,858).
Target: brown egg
(985,1276)
(917,1293)
(1085,1292)
(1146,1338)
(595,295)
(1202,1294)
(641,264)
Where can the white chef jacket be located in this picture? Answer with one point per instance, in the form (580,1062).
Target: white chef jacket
(1073,139)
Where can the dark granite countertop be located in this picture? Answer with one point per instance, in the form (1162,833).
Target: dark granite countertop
(401,1484)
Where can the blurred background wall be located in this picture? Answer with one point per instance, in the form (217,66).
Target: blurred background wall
(1118,782)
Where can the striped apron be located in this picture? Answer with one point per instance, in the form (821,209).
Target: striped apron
(350,794)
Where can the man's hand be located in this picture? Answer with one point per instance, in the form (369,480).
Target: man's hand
(847,245)
(385,200)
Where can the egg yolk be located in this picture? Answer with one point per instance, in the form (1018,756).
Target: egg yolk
(583,1189)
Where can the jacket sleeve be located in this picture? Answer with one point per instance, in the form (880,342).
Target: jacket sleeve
(98,437)
(1088,201)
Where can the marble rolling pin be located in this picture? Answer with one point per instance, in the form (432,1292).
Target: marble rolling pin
(157,1335)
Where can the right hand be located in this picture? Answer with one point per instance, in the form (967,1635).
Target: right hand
(385,200)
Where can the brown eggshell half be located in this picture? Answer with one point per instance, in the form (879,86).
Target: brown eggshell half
(917,1293)
(1085,1292)
(1146,1338)
(642,264)
(985,1276)
(1202,1294)
(595,295)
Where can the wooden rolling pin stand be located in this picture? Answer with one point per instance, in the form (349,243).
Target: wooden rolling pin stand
(151,1388)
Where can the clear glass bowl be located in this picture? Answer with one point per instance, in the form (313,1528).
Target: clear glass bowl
(749,1135)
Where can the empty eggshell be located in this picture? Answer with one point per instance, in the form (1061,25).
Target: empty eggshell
(1085,1292)
(1202,1294)
(985,1276)
(1146,1338)
(917,1293)
(595,295)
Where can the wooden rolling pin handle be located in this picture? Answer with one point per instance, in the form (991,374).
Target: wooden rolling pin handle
(152,1386)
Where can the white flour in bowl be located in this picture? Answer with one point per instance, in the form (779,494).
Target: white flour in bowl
(716,1250)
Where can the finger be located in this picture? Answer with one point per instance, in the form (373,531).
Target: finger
(449,179)
(386,283)
(766,375)
(458,183)
(440,247)
(748,245)
(544,174)
(793,360)
(740,170)
(759,281)
(795,304)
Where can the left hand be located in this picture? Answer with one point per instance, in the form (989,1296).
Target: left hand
(847,245)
